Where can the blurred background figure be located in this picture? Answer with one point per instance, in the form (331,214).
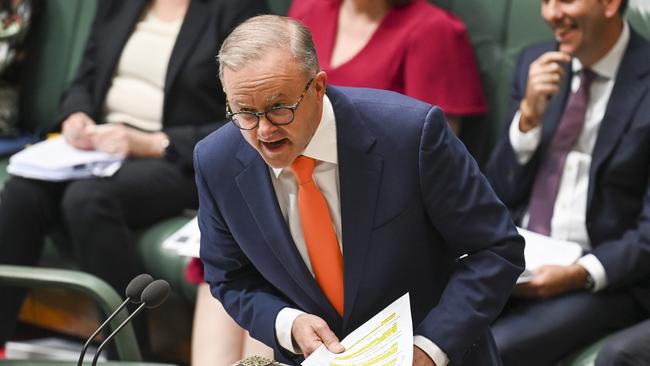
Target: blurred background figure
(146,88)
(408,46)
(216,339)
(15,20)
(574,165)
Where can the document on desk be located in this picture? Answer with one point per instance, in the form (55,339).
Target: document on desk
(542,250)
(55,160)
(386,339)
(185,241)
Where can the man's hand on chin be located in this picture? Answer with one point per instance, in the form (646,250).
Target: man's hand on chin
(420,358)
(309,332)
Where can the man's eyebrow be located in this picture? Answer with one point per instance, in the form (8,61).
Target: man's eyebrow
(275,97)
(270,101)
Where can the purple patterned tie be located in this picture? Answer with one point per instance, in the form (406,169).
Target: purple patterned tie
(547,181)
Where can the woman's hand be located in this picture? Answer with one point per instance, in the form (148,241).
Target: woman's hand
(128,141)
(76,130)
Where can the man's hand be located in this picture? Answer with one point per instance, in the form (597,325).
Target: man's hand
(420,358)
(551,281)
(544,80)
(310,331)
(76,130)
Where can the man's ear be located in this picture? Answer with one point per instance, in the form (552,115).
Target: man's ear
(320,83)
(611,8)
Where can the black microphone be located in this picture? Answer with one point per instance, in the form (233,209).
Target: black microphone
(133,293)
(152,296)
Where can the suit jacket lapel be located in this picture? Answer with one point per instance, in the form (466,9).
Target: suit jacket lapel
(197,15)
(628,91)
(256,187)
(112,46)
(359,176)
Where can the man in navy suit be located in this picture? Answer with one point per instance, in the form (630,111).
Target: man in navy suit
(574,165)
(411,211)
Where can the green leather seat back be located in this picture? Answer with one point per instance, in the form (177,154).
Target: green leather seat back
(58,39)
(280,7)
(639,16)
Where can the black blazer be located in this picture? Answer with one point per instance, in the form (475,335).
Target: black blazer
(194,102)
(618,202)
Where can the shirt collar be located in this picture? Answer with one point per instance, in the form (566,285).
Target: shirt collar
(607,66)
(322,146)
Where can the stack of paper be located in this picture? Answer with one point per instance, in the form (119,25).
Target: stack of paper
(385,339)
(56,160)
(185,241)
(543,250)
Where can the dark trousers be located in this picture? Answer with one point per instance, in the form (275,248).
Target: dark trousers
(542,332)
(99,215)
(629,347)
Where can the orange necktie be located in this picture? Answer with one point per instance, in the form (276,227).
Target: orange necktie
(318,229)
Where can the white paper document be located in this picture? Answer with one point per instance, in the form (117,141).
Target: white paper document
(185,241)
(542,250)
(386,339)
(55,160)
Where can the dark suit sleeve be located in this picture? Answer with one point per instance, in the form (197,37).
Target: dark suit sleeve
(510,180)
(243,291)
(78,97)
(626,259)
(618,218)
(465,210)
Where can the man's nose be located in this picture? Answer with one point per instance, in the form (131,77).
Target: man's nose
(266,129)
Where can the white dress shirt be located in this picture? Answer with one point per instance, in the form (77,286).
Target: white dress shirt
(323,149)
(570,209)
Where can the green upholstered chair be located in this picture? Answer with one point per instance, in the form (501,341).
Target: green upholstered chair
(57,44)
(105,297)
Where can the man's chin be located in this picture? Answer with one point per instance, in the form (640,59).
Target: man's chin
(278,162)
(567,48)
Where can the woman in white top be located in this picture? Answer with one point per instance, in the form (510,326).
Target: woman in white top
(146,88)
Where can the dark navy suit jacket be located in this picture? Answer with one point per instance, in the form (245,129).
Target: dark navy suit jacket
(618,205)
(412,202)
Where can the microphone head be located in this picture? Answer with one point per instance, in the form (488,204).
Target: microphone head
(155,294)
(136,286)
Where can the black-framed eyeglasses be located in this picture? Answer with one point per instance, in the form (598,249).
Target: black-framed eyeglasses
(279,116)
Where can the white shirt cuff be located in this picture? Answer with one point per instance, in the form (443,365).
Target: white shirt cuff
(595,269)
(523,143)
(437,355)
(283,324)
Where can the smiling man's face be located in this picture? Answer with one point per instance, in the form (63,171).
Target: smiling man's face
(276,80)
(580,26)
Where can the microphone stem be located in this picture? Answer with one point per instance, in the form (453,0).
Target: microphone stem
(83,350)
(108,339)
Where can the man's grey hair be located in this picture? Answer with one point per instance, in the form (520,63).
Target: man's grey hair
(257,36)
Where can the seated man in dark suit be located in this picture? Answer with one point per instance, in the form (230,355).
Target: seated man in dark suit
(574,165)
(319,209)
